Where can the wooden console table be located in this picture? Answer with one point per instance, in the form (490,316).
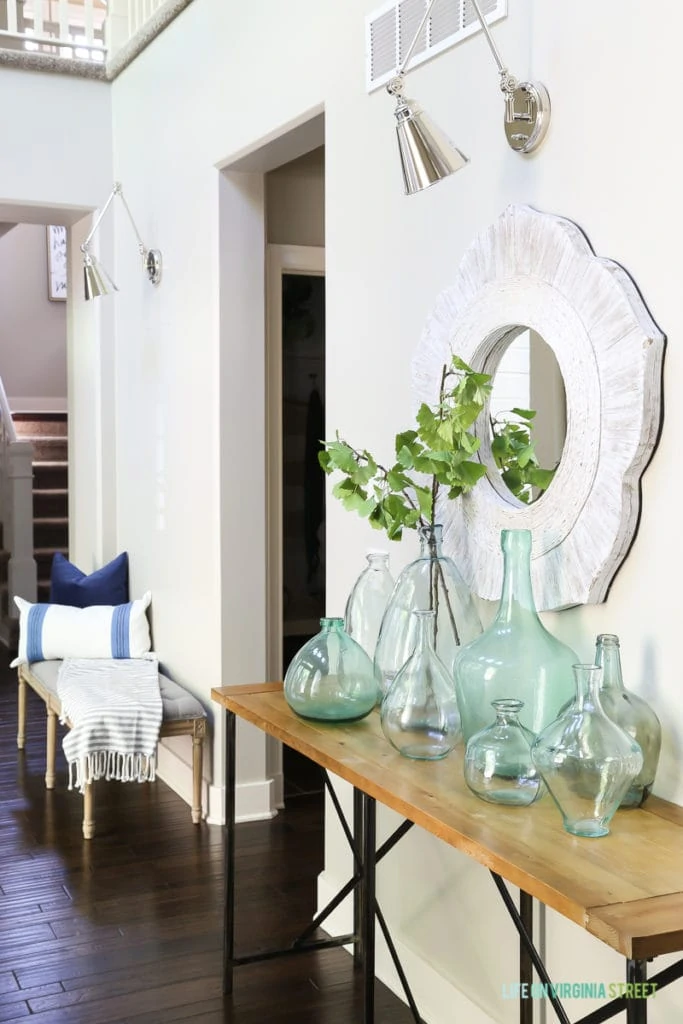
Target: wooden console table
(625,888)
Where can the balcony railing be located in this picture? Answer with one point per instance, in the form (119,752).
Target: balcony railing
(85,30)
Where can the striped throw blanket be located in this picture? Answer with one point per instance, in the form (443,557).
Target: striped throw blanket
(114,709)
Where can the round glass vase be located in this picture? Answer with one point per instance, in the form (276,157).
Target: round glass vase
(632,714)
(419,712)
(587,762)
(331,678)
(498,764)
(515,655)
(368,600)
(430,583)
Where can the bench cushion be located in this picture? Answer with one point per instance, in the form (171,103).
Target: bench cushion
(178,703)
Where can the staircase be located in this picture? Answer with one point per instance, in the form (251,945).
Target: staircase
(48,434)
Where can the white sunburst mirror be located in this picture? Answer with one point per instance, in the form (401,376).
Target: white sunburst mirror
(531,270)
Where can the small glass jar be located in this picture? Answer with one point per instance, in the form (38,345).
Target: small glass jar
(331,678)
(498,764)
(419,713)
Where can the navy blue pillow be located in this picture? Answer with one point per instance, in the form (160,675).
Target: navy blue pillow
(108,585)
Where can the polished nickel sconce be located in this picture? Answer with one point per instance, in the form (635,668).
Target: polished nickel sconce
(427,155)
(97,280)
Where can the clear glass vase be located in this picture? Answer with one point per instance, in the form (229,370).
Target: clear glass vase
(419,713)
(498,764)
(632,713)
(331,678)
(430,583)
(516,656)
(587,762)
(368,600)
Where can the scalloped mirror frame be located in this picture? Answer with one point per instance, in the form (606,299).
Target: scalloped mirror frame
(536,270)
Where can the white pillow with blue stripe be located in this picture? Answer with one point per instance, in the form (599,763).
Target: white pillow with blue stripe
(49,632)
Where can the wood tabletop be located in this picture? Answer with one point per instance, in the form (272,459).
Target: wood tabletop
(626,888)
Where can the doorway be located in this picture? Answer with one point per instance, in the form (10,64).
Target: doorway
(295,288)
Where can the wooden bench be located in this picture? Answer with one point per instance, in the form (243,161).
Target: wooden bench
(183,715)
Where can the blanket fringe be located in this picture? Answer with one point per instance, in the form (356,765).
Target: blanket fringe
(108,764)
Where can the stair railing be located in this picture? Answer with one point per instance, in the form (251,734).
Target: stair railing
(54,26)
(16,509)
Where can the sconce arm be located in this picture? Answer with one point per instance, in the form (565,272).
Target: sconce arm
(116,191)
(86,245)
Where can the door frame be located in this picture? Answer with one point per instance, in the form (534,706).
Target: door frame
(280,260)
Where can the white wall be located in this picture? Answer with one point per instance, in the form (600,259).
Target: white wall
(32,328)
(54,174)
(190,405)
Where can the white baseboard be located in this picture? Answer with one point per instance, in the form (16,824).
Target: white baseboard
(254,801)
(438,1000)
(39,404)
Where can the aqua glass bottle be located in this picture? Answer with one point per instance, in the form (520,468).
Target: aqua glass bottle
(331,678)
(498,764)
(632,713)
(587,761)
(368,600)
(516,656)
(419,712)
(430,583)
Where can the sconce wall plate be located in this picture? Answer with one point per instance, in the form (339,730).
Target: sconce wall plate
(527,128)
(153,265)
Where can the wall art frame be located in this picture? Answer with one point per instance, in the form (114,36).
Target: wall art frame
(56,263)
(536,270)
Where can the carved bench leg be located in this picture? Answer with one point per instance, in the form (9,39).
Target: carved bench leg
(21,713)
(51,749)
(197,770)
(88,820)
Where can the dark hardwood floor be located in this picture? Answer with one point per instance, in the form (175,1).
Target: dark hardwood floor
(128,926)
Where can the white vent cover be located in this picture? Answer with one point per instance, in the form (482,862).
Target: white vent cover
(390,30)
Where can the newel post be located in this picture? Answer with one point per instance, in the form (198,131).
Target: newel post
(22,575)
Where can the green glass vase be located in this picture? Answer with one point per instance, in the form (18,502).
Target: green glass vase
(331,678)
(632,713)
(516,657)
(587,761)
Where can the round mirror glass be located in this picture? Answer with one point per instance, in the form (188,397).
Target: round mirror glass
(528,415)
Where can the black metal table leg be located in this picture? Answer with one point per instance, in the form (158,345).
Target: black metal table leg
(636,1006)
(368,922)
(358,892)
(526,970)
(229,870)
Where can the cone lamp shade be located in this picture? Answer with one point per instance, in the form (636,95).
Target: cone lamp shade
(96,279)
(426,154)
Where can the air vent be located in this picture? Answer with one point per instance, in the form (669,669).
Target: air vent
(390,30)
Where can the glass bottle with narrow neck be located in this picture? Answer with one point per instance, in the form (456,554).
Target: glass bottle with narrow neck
(368,600)
(430,583)
(516,657)
(419,713)
(586,760)
(632,713)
